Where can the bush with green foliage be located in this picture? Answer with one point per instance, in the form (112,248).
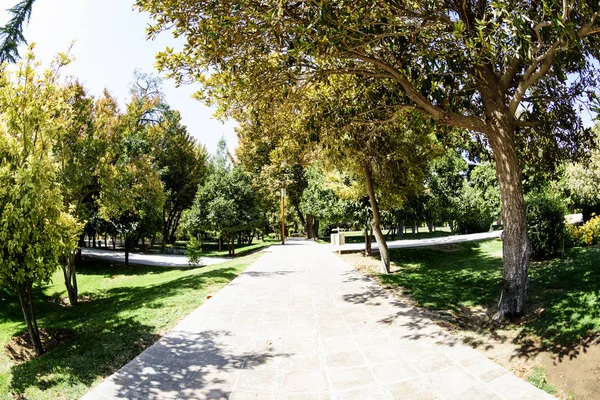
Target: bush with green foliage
(473,214)
(194,251)
(545,224)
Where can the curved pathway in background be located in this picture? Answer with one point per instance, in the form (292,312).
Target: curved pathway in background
(301,323)
(401,244)
(160,260)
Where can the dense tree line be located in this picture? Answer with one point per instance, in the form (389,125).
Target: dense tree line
(71,163)
(496,69)
(367,87)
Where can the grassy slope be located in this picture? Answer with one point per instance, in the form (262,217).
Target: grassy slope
(566,289)
(129,308)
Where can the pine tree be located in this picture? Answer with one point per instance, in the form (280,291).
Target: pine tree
(11,35)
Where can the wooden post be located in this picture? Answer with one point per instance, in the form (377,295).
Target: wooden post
(282,216)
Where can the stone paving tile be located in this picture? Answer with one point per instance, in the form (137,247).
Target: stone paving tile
(302,324)
(350,378)
(415,389)
(314,380)
(451,381)
(305,361)
(371,392)
(259,380)
(381,353)
(338,343)
(344,359)
(307,396)
(252,396)
(479,392)
(395,371)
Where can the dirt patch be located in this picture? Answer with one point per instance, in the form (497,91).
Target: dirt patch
(574,372)
(64,301)
(448,248)
(579,372)
(20,349)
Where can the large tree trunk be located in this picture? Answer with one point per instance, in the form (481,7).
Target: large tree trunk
(400,228)
(24,293)
(165,240)
(174,226)
(430,226)
(231,244)
(127,244)
(301,217)
(310,227)
(516,249)
(70,275)
(80,244)
(376,222)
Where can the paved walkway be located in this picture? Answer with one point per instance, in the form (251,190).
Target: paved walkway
(401,244)
(302,324)
(161,260)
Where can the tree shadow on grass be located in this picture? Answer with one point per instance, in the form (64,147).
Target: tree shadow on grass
(109,331)
(110,269)
(563,313)
(564,299)
(449,277)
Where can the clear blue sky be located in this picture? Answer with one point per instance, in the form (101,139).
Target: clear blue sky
(109,45)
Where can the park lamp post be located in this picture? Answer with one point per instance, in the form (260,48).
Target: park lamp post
(282,216)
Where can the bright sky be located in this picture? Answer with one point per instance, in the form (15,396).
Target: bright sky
(109,45)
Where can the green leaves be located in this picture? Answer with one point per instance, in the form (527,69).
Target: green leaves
(226,202)
(11,35)
(35,227)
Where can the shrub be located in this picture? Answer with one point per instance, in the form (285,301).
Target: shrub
(545,224)
(572,236)
(586,235)
(473,220)
(194,252)
(474,215)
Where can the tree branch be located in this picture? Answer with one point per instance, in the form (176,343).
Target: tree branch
(355,71)
(588,29)
(540,66)
(528,124)
(453,119)
(506,82)
(400,109)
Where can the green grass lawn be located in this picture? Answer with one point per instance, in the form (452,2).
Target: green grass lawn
(211,249)
(129,308)
(359,236)
(564,293)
